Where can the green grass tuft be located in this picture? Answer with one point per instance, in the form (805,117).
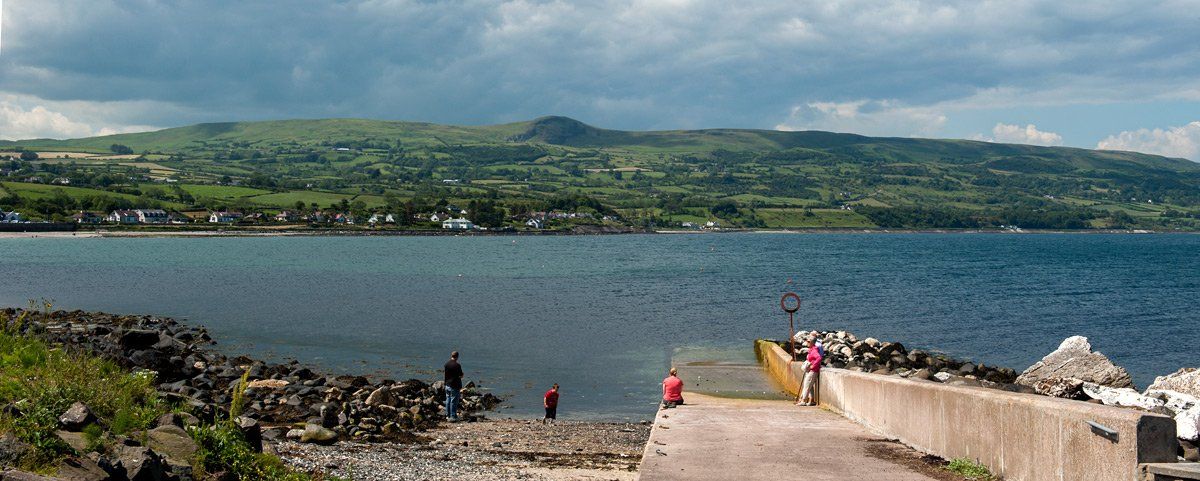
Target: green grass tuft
(42,381)
(970,469)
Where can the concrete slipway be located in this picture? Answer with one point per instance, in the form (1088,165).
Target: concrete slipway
(737,426)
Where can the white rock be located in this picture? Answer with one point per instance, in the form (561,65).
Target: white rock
(1175,401)
(1074,343)
(1121,396)
(1187,424)
(942,376)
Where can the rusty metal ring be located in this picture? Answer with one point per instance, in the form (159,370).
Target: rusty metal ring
(784,304)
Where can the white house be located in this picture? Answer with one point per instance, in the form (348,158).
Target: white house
(535,223)
(152,216)
(435,218)
(123,217)
(10,216)
(458,224)
(224,217)
(375,219)
(61,181)
(389,219)
(712,224)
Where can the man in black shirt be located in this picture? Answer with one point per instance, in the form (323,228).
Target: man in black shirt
(454,375)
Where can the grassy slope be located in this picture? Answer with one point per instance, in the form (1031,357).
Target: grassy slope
(855,169)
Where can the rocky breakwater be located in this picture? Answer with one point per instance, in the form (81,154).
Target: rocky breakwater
(281,398)
(1075,371)
(844,350)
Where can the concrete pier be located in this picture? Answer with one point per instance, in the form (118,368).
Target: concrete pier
(761,439)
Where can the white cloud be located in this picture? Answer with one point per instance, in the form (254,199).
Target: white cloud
(867,117)
(18,123)
(25,117)
(1016,134)
(1183,141)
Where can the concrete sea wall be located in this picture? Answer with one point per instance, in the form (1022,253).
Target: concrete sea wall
(1022,437)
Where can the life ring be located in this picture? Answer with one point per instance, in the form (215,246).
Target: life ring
(783,303)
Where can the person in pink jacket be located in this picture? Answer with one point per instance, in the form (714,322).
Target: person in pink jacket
(672,390)
(813,363)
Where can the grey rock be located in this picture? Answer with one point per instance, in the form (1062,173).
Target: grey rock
(182,420)
(1074,359)
(14,475)
(139,338)
(12,449)
(1189,450)
(251,432)
(173,443)
(380,396)
(81,469)
(73,439)
(318,435)
(1186,381)
(139,463)
(77,417)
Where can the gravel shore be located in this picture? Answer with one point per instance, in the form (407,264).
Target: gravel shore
(507,449)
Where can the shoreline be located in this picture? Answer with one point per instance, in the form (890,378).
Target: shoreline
(128,234)
(371,429)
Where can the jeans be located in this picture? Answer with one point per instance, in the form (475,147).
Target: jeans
(453,398)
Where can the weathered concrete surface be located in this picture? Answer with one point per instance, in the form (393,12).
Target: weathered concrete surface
(1021,437)
(755,439)
(1171,472)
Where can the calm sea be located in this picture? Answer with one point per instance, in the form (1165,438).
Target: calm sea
(602,316)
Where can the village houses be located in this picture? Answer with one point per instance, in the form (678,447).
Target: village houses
(223,217)
(152,216)
(123,217)
(458,224)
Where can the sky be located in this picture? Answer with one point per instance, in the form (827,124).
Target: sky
(1106,74)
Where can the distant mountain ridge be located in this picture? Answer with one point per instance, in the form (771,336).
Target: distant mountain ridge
(565,131)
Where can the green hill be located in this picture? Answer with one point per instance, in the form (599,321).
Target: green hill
(742,177)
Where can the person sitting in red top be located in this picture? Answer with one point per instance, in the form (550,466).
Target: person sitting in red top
(550,402)
(672,390)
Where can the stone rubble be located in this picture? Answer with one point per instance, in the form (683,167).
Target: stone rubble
(331,408)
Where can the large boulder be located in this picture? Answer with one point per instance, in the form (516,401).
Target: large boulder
(1186,380)
(1074,359)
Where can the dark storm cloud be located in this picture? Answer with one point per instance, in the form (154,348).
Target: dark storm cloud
(876,67)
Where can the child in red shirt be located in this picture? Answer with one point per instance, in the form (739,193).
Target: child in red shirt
(550,402)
